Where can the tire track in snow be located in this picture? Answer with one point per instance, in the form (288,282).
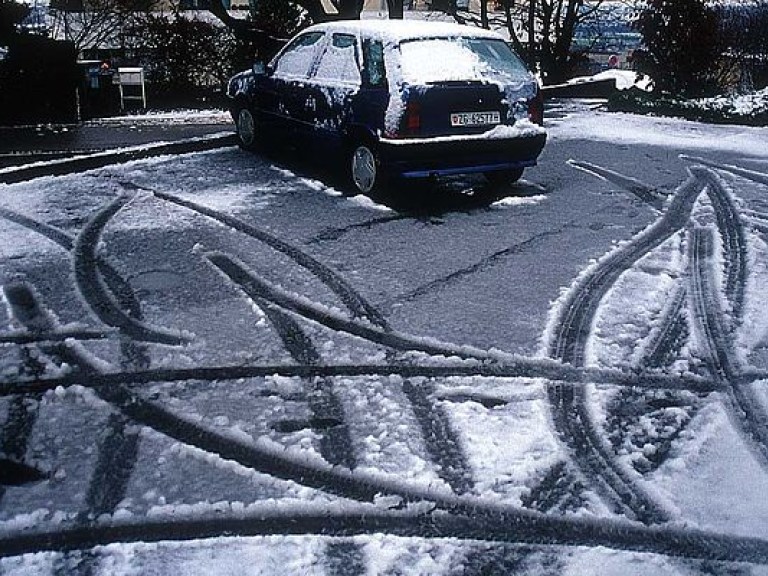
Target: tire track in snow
(667,339)
(152,415)
(481,524)
(117,450)
(15,434)
(745,408)
(219,217)
(753,175)
(54,234)
(665,342)
(111,473)
(335,443)
(648,194)
(136,352)
(265,458)
(25,308)
(663,346)
(94,290)
(81,334)
(303,307)
(441,441)
(573,325)
(555,490)
(517,368)
(22,411)
(745,411)
(570,411)
(351,299)
(430,419)
(734,245)
(251,283)
(332,480)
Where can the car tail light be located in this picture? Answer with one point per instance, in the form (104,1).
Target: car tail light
(410,122)
(412,118)
(536,109)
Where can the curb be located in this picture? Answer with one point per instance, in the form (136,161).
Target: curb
(100,159)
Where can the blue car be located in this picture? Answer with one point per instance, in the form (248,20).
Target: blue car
(407,99)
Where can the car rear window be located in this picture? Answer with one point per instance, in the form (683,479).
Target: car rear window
(374,71)
(433,60)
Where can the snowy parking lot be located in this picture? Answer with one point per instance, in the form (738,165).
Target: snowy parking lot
(217,363)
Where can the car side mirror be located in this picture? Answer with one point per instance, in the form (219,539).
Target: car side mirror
(259,68)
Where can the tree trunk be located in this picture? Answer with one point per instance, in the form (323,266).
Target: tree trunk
(395,9)
(349,9)
(516,44)
(244,30)
(532,34)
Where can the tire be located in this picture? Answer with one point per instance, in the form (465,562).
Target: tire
(247,129)
(504,177)
(365,172)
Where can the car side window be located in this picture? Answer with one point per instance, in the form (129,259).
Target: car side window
(339,61)
(297,58)
(374,72)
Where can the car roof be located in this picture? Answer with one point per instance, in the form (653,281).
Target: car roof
(399,30)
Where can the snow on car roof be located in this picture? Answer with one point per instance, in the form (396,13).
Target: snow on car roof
(399,30)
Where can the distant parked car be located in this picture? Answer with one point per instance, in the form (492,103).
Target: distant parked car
(396,99)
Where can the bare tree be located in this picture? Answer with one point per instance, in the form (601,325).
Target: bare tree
(544,30)
(742,36)
(94,23)
(541,31)
(316,12)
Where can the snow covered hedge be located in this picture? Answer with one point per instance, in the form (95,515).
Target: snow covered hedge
(749,109)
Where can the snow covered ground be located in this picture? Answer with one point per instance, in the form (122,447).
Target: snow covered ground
(216,363)
(180,116)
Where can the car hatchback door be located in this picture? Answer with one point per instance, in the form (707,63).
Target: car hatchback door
(459,86)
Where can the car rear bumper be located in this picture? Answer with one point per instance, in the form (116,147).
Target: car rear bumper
(444,156)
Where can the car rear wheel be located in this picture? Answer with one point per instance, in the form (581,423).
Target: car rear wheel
(504,177)
(365,170)
(247,131)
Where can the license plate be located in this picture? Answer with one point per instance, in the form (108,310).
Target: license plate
(475,118)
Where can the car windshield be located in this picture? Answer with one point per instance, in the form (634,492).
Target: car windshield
(432,60)
(296,59)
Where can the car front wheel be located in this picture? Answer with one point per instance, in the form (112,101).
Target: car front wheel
(246,129)
(365,170)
